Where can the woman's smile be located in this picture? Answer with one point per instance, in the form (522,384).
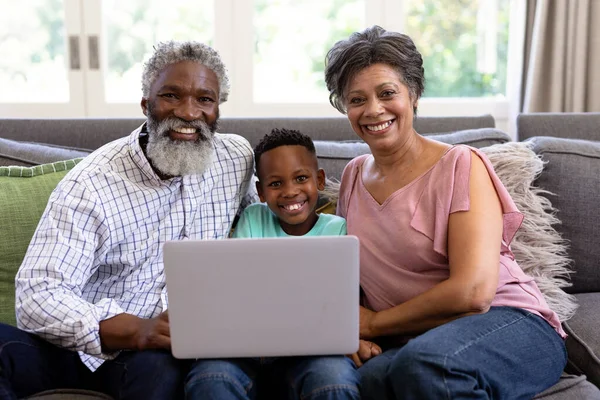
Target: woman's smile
(379,127)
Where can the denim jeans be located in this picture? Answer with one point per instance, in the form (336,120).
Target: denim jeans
(310,378)
(30,365)
(506,353)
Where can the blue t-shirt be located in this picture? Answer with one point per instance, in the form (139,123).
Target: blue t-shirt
(258,221)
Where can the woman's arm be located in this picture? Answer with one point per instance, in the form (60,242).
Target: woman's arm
(474,241)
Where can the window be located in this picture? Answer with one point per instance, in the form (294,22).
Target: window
(85,57)
(33,48)
(464,45)
(40,70)
(291,39)
(132,27)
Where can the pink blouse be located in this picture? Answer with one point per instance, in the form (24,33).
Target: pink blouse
(404,241)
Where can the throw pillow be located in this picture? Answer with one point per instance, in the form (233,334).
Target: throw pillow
(24,192)
(537,246)
(14,152)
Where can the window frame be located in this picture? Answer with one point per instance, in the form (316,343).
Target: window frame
(233,37)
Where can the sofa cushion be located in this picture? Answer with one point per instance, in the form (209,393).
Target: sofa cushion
(570,387)
(338,128)
(571,174)
(24,192)
(574,125)
(334,155)
(473,137)
(27,154)
(583,343)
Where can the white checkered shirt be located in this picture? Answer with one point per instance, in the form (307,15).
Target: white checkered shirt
(97,251)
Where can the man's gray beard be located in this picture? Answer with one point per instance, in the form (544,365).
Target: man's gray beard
(179,157)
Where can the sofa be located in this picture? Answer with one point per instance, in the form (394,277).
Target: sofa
(36,153)
(561,125)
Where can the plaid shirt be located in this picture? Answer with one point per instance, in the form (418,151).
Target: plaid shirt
(97,251)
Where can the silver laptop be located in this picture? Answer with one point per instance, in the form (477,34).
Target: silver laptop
(263,297)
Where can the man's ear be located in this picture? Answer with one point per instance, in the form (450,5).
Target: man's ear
(320,179)
(144,105)
(260,192)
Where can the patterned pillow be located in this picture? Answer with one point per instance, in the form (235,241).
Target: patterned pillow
(24,192)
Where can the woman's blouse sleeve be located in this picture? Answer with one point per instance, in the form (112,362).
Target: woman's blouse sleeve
(448,192)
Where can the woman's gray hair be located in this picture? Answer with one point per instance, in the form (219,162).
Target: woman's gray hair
(374,45)
(171,52)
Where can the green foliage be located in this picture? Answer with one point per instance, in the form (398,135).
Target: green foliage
(135,26)
(128,46)
(51,17)
(445,33)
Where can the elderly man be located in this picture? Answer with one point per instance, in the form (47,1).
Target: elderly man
(91,296)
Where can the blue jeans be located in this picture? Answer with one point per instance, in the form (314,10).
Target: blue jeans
(506,353)
(30,365)
(330,377)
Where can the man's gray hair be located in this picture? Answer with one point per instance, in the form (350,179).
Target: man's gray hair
(171,52)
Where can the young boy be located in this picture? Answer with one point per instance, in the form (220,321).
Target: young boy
(289,181)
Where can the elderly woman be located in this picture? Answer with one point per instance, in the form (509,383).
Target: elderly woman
(454,313)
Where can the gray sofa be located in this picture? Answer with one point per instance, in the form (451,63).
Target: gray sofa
(571,175)
(561,125)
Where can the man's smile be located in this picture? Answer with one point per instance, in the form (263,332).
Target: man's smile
(184,133)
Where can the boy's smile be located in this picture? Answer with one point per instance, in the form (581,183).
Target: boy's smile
(294,206)
(289,182)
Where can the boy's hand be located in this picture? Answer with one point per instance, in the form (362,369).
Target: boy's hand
(366,351)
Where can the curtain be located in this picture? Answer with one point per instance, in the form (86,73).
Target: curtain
(561,64)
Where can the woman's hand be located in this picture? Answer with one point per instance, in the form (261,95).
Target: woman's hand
(366,329)
(366,351)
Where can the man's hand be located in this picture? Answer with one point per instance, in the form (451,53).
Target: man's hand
(366,351)
(154,333)
(128,332)
(366,318)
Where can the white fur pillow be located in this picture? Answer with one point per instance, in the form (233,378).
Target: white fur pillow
(538,247)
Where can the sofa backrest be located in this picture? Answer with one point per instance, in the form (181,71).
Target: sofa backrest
(571,174)
(562,125)
(334,155)
(339,129)
(80,133)
(91,133)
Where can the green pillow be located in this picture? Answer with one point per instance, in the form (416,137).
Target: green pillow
(24,193)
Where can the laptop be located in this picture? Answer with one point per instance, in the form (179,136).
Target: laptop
(266,297)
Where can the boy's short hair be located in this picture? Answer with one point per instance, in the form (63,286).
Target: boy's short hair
(282,137)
